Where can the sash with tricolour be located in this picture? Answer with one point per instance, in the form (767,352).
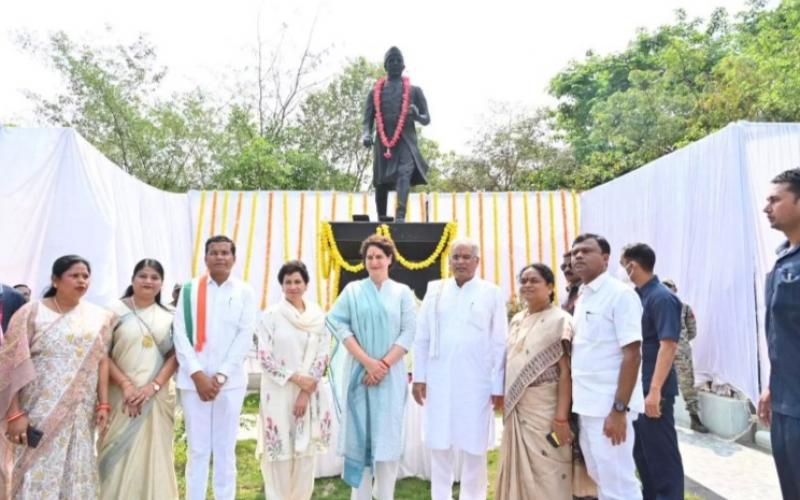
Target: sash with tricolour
(195,295)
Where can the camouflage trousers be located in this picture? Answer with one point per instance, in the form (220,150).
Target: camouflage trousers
(685,370)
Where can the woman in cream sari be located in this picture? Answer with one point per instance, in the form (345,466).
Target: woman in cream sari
(537,399)
(135,457)
(295,418)
(51,379)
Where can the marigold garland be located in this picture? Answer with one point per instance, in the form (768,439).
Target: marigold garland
(332,263)
(448,235)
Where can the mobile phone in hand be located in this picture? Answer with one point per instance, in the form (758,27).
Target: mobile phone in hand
(34,436)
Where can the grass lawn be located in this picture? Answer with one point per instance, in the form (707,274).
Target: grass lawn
(251,487)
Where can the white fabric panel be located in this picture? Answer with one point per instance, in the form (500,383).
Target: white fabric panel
(59,195)
(221,214)
(767,150)
(693,208)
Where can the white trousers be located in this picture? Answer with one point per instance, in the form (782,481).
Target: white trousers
(383,488)
(474,477)
(211,429)
(611,467)
(288,479)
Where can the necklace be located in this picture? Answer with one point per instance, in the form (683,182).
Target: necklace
(76,334)
(148,339)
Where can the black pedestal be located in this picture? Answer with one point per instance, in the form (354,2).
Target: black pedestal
(414,241)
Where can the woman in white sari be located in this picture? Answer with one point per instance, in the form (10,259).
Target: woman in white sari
(135,457)
(295,419)
(51,379)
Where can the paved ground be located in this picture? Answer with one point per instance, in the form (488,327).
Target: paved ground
(727,470)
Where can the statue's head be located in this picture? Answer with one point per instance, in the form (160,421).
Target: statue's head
(393,62)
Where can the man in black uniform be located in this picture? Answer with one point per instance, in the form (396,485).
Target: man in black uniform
(397,163)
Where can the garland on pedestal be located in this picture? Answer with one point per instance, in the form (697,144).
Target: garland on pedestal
(331,262)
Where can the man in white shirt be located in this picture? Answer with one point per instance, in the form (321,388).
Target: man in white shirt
(213,332)
(459,354)
(606,372)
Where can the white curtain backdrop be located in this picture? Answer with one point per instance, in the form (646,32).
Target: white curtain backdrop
(59,195)
(700,209)
(513,229)
(767,150)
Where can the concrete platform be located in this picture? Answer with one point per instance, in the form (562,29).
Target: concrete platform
(729,470)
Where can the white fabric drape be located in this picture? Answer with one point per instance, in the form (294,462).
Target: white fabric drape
(700,209)
(767,150)
(59,195)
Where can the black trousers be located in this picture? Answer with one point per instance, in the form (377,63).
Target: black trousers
(655,450)
(403,187)
(785,439)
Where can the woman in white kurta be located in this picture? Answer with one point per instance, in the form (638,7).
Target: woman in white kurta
(374,320)
(295,418)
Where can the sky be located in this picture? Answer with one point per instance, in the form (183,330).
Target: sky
(465,55)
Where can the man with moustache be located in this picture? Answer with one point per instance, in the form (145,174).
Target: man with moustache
(459,355)
(779,405)
(213,332)
(606,376)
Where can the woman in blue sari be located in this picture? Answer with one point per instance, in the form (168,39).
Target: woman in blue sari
(373,321)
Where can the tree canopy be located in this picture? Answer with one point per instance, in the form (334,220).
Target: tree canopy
(284,130)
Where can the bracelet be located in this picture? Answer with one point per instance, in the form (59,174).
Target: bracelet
(102,406)
(14,417)
(384,363)
(560,422)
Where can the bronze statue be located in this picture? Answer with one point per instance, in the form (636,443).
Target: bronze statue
(394,105)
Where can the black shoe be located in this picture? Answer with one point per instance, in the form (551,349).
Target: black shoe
(697,425)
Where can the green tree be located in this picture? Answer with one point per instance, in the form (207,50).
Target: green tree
(329,125)
(514,151)
(109,99)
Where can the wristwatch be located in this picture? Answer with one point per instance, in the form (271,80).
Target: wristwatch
(221,378)
(620,407)
(156,386)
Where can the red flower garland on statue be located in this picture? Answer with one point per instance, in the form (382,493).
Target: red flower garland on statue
(401,122)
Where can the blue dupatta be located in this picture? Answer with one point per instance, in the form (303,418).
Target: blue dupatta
(359,312)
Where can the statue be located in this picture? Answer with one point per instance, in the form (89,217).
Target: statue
(394,105)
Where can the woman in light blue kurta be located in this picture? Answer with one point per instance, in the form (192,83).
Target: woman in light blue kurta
(373,321)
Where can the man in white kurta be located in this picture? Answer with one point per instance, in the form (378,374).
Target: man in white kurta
(606,373)
(459,353)
(211,376)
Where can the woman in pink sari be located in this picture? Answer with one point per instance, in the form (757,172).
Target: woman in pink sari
(51,382)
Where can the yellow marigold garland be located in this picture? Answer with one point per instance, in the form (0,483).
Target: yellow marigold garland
(448,235)
(331,261)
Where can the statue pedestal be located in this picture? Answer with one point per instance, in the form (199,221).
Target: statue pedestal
(414,241)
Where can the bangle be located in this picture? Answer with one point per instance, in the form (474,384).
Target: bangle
(560,421)
(384,363)
(14,417)
(102,406)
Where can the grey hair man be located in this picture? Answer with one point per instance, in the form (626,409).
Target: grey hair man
(459,354)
